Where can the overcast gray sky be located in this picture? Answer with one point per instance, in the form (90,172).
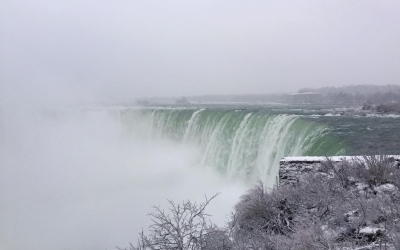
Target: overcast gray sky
(121,50)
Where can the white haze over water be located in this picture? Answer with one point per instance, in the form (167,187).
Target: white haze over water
(74,180)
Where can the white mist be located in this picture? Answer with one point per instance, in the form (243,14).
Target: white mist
(74,180)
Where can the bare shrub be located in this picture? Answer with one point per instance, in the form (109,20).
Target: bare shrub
(272,213)
(183,226)
(388,215)
(280,219)
(342,171)
(375,170)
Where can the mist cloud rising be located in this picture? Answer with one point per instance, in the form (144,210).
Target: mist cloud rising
(75,180)
(128,49)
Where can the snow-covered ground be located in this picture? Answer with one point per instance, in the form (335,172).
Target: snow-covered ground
(323,158)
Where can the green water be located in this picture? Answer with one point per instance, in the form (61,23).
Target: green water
(249,142)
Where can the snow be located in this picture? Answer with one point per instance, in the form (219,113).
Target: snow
(330,114)
(389,188)
(323,158)
(370,230)
(361,186)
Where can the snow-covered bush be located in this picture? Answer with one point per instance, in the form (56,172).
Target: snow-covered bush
(182,227)
(340,205)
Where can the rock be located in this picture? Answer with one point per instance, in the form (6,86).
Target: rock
(351,216)
(386,189)
(366,234)
(371,234)
(371,230)
(367,106)
(361,186)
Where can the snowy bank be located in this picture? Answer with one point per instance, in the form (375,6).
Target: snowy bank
(292,168)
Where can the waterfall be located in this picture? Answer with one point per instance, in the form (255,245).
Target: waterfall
(242,144)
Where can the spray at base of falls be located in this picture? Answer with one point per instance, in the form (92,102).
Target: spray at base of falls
(240,144)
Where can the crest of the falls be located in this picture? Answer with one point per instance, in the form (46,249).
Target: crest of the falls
(241,144)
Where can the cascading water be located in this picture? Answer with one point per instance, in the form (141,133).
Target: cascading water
(241,144)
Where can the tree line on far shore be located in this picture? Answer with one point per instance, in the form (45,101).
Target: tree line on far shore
(352,94)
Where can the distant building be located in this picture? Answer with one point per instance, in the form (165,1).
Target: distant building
(142,103)
(306,97)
